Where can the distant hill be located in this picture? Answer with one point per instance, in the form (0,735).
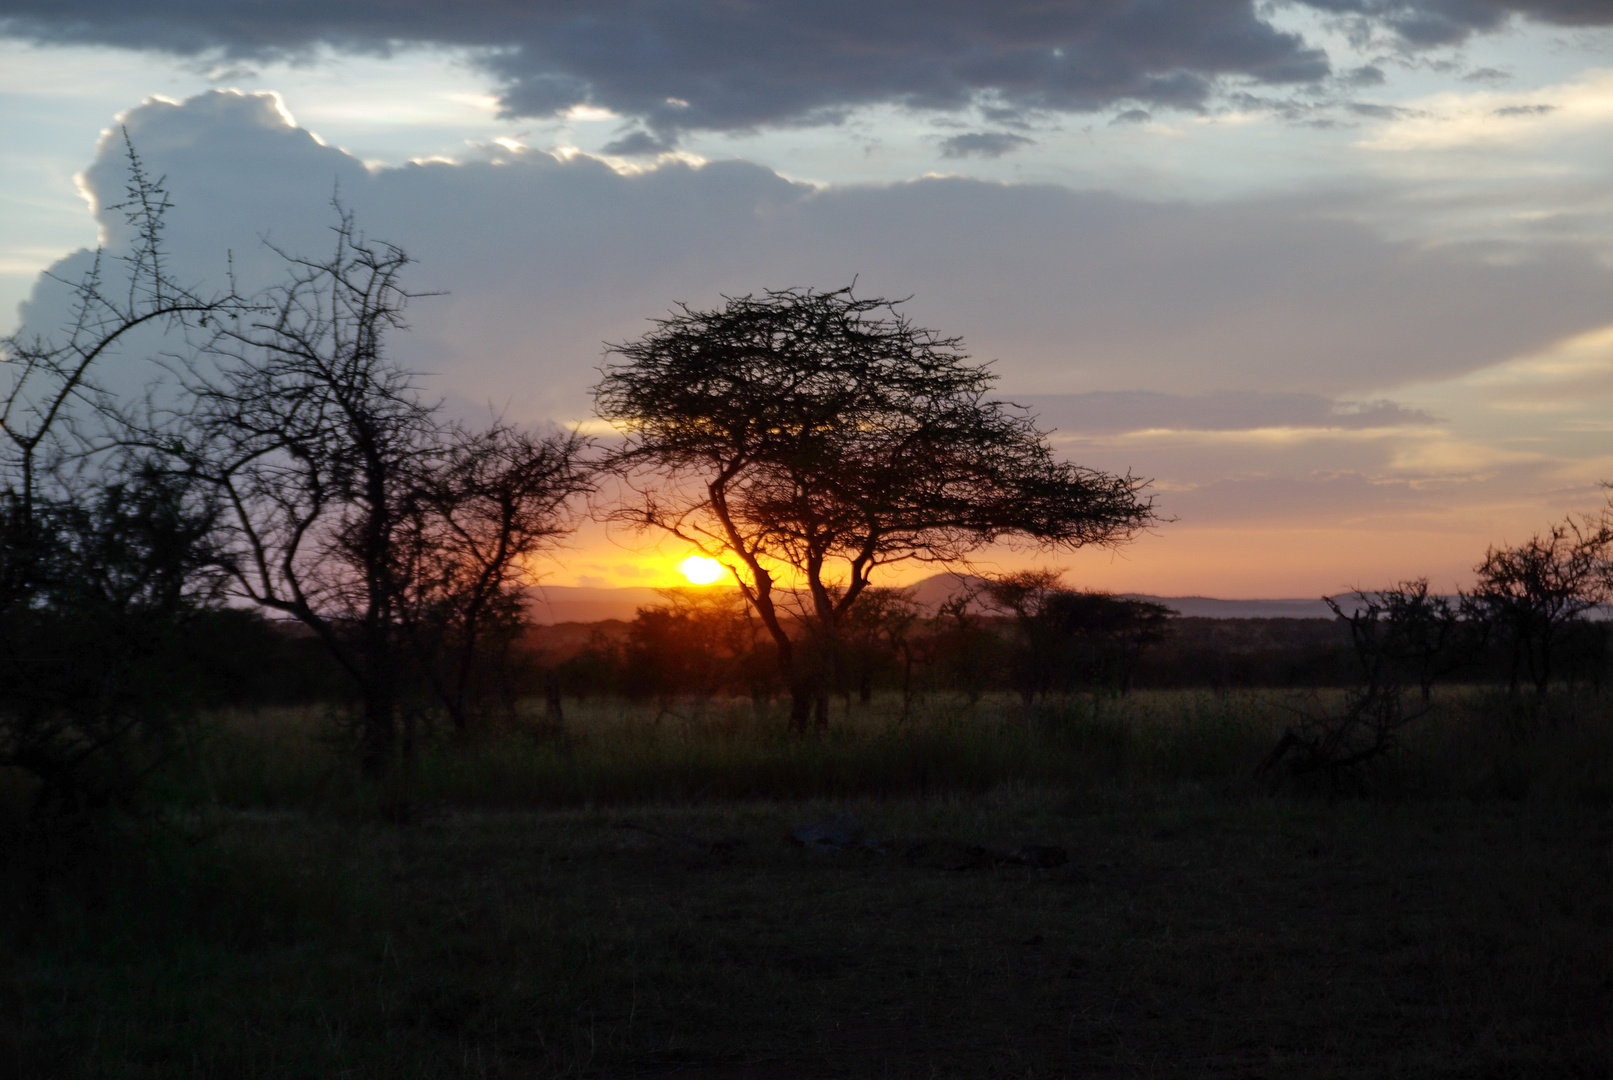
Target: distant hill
(551,604)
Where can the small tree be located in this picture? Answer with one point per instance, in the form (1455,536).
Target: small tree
(102,558)
(1063,637)
(1406,634)
(700,642)
(1535,593)
(878,635)
(961,650)
(809,438)
(97,661)
(487,503)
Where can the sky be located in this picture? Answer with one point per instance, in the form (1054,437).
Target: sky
(1336,275)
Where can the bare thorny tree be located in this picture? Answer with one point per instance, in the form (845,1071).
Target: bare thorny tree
(349,503)
(491,501)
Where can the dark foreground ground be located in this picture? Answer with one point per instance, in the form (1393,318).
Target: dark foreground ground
(1190,934)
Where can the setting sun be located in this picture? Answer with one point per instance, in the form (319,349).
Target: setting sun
(701,570)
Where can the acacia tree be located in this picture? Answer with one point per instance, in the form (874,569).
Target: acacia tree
(807,439)
(1536,592)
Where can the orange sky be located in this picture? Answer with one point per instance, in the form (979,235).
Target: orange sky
(1174,560)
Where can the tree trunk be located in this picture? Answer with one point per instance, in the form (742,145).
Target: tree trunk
(378,733)
(553,702)
(801,699)
(907,679)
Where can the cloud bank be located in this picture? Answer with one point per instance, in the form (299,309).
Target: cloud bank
(681,65)
(544,257)
(674,66)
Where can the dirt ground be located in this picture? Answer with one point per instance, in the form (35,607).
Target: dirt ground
(1188,934)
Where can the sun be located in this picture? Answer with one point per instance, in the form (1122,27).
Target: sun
(701,570)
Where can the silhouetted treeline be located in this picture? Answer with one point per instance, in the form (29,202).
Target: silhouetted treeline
(655,656)
(671,651)
(702,644)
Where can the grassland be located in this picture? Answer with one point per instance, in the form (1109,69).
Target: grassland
(619,901)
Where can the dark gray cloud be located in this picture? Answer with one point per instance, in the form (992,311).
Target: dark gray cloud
(1379,112)
(1366,75)
(1117,412)
(1428,23)
(680,65)
(985,144)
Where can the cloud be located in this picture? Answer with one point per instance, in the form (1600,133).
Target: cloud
(986,144)
(1492,118)
(674,66)
(544,257)
(682,65)
(1432,23)
(1116,412)
(1379,112)
(638,144)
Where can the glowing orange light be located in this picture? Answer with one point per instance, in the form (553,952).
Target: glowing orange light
(701,570)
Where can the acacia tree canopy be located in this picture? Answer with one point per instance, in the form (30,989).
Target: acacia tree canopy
(812,437)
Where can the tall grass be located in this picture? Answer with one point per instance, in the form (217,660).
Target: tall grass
(1472,743)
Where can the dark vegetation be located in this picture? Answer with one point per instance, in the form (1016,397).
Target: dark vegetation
(289,786)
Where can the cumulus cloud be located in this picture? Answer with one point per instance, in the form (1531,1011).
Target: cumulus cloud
(545,257)
(681,65)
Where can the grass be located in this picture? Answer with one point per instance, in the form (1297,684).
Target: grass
(621,903)
(725,750)
(1474,743)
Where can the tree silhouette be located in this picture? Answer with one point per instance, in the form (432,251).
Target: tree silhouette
(348,502)
(1406,633)
(1063,638)
(102,558)
(483,505)
(1536,592)
(808,438)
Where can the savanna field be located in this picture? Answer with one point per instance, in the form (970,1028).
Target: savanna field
(1098,886)
(295,782)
